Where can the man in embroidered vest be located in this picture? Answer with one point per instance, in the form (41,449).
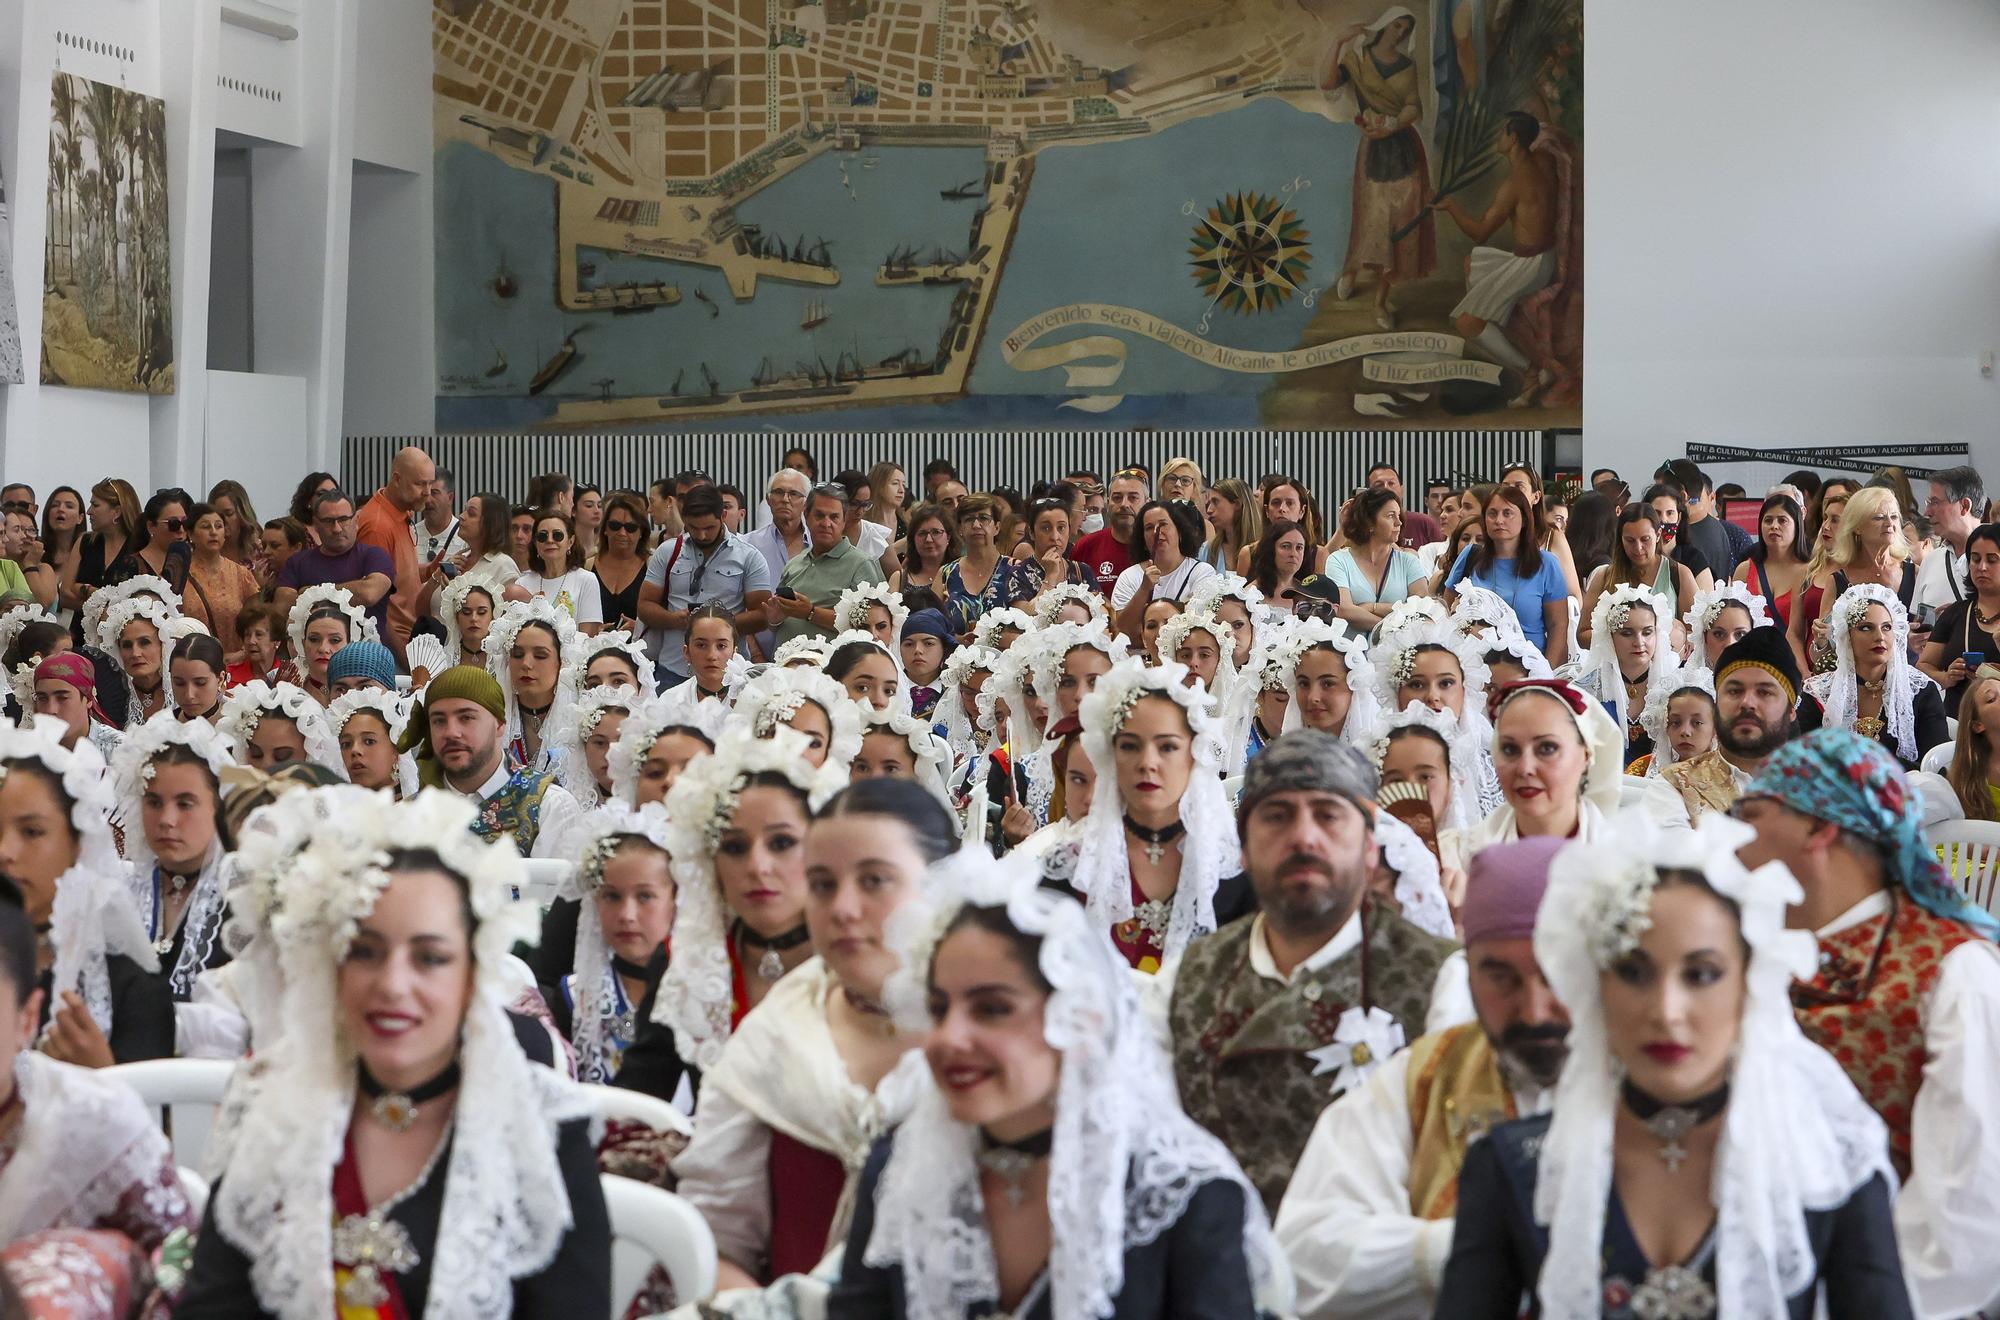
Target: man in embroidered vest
(1256,1013)
(1757,690)
(1367,1220)
(1906,996)
(458,736)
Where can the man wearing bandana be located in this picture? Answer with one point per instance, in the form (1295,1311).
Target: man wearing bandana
(1906,995)
(1367,1221)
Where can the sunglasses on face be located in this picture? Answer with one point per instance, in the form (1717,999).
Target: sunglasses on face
(621,527)
(16,506)
(550,537)
(176,524)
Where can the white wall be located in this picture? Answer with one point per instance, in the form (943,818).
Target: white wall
(1793,228)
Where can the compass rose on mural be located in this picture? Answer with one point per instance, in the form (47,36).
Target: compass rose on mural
(1249,253)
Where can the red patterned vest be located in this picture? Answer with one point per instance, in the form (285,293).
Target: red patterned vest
(1866,1006)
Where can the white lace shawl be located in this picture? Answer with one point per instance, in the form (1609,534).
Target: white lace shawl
(850,613)
(131,771)
(1599,673)
(1659,696)
(1708,604)
(1419,890)
(695,995)
(499,642)
(567,738)
(597,833)
(1126,1160)
(1839,691)
(1796,1136)
(247,705)
(84,1139)
(202,918)
(1311,634)
(1209,850)
(950,710)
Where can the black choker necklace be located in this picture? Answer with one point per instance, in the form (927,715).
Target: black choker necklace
(770,966)
(1012,1161)
(652,968)
(1156,840)
(1671,1123)
(397,1110)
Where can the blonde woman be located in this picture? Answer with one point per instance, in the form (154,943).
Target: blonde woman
(1869,549)
(1807,631)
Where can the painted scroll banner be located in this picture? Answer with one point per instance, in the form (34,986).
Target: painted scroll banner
(1407,357)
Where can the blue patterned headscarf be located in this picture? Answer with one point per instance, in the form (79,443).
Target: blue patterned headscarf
(1838,776)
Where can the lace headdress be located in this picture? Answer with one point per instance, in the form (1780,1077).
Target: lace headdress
(1310,635)
(393,709)
(1599,672)
(93,914)
(1839,691)
(1419,884)
(101,601)
(1481,608)
(1463,811)
(1232,697)
(1212,591)
(990,624)
(771,699)
(1708,604)
(451,600)
(500,642)
(579,722)
(1659,696)
(132,769)
(1051,603)
(1410,612)
(806,646)
(695,995)
(601,834)
(649,718)
(506,1205)
(850,613)
(360,628)
(16,617)
(901,700)
(1125,1160)
(1533,663)
(933,773)
(950,710)
(1796,1135)
(1052,652)
(246,706)
(120,617)
(577,659)
(1209,850)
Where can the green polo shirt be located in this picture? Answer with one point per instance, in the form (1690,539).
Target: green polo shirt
(820,579)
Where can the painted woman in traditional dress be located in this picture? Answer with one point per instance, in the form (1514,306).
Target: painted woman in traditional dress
(1372,77)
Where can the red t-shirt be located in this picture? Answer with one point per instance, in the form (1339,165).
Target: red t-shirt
(1104,555)
(1419,530)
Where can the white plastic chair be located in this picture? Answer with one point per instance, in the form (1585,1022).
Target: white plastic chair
(1938,759)
(1940,802)
(196,1188)
(1971,853)
(1631,792)
(638,1107)
(1233,786)
(189,1089)
(545,879)
(651,1226)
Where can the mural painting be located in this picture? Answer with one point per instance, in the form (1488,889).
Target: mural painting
(932,213)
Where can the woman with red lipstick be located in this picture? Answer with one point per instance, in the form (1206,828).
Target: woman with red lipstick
(816,1073)
(1704,1158)
(323,619)
(737,835)
(1047,1170)
(401,1156)
(167,776)
(1158,862)
(1873,688)
(1558,758)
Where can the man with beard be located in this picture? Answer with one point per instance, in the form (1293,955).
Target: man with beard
(1252,1011)
(1367,1220)
(1757,689)
(1109,551)
(459,737)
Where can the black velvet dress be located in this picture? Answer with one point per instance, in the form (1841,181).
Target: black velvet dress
(1194,1270)
(142,1010)
(1497,1247)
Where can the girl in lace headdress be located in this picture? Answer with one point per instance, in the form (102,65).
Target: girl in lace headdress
(135,630)
(802,653)
(369,723)
(582,742)
(102,999)
(1719,619)
(624,891)
(1680,718)
(1270,669)
(1049,1169)
(102,600)
(960,682)
(197,677)
(1068,602)
(525,652)
(1326,680)
(1628,653)
(398,1106)
(167,785)
(1237,603)
(323,619)
(999,629)
(897,745)
(467,608)
(1158,862)
(1692,1115)
(1873,688)
(820,1070)
(1511,657)
(1432,664)
(273,726)
(738,820)
(874,609)
(808,702)
(869,671)
(1068,661)
(1558,759)
(1016,719)
(658,740)
(1206,647)
(609,659)
(80,1151)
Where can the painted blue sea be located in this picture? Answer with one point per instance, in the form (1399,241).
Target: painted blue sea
(1110,223)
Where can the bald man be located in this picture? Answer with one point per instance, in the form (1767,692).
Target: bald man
(384,522)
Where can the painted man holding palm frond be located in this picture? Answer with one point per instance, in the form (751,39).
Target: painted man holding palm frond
(1496,278)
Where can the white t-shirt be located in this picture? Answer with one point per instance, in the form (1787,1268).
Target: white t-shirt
(1941,580)
(575,591)
(1172,586)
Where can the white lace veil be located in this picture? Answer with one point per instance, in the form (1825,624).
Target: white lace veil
(933,754)
(1600,673)
(1233,701)
(1419,886)
(1052,650)
(774,696)
(1209,850)
(569,735)
(327,596)
(1708,604)
(1463,811)
(1839,691)
(650,717)
(950,711)
(1797,1136)
(1659,696)
(131,772)
(600,833)
(450,601)
(1389,661)
(1053,600)
(506,1207)
(1125,1160)
(394,709)
(993,621)
(1479,607)
(507,625)
(850,613)
(1312,634)
(246,706)
(576,660)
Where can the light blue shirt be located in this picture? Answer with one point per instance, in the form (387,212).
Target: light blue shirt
(722,576)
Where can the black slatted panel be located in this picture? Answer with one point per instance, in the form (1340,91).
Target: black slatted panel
(1328,461)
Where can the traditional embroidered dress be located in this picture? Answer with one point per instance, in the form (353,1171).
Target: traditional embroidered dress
(195,944)
(1240,1040)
